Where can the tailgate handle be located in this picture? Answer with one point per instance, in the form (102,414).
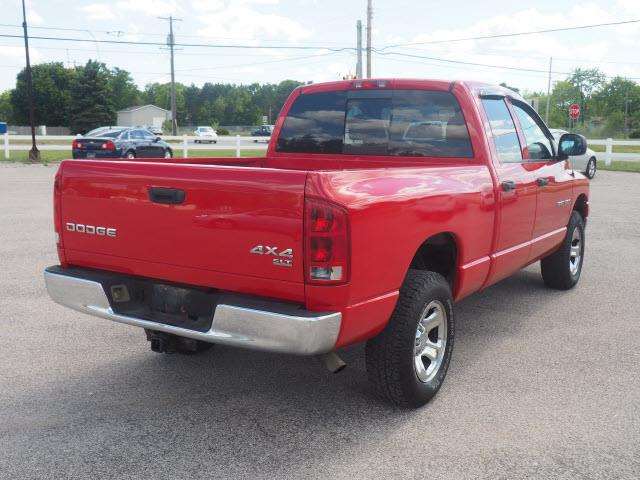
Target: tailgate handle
(169,196)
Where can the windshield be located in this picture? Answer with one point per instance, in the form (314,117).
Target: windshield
(381,122)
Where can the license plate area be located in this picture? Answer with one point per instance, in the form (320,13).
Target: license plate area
(183,306)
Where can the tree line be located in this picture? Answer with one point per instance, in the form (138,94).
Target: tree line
(88,96)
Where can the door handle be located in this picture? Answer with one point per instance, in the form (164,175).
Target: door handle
(542,182)
(167,196)
(508,185)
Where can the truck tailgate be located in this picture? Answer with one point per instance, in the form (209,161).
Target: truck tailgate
(244,221)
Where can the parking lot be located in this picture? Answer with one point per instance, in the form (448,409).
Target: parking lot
(543,384)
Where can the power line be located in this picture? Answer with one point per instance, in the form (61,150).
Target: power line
(515,34)
(199,45)
(486,65)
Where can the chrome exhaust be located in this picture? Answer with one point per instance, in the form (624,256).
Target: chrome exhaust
(333,362)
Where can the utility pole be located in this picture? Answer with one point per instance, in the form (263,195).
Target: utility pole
(369,18)
(546,113)
(171,43)
(626,113)
(34,154)
(359,49)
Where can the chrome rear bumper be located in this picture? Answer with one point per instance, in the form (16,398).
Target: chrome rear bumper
(238,320)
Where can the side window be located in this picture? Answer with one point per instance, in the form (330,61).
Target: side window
(504,132)
(136,135)
(538,144)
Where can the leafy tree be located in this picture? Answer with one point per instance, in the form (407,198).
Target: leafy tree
(51,88)
(587,81)
(6,109)
(91,98)
(124,91)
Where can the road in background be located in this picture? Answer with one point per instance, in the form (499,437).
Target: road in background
(543,384)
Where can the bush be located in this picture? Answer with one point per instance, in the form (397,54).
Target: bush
(634,134)
(222,131)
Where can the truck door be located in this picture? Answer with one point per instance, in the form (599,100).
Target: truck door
(517,192)
(553,179)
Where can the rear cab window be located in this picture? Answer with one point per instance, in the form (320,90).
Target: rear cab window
(419,123)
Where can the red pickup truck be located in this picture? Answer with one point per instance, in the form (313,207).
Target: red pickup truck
(379,204)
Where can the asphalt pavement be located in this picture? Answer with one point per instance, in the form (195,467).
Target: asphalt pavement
(543,384)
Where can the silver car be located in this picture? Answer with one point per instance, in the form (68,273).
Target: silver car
(586,163)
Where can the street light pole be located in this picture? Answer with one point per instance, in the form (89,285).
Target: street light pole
(34,154)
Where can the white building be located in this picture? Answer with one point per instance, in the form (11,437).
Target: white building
(145,115)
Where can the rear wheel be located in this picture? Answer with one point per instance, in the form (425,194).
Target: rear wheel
(168,153)
(591,168)
(561,270)
(131,154)
(408,361)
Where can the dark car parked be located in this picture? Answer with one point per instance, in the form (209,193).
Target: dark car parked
(262,131)
(120,142)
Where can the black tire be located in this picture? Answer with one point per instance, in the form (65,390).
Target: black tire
(168,153)
(592,167)
(390,357)
(196,141)
(130,154)
(561,270)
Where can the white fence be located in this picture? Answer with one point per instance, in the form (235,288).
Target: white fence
(609,154)
(184,142)
(238,143)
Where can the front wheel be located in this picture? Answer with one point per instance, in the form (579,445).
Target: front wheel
(591,168)
(168,153)
(408,361)
(561,270)
(131,155)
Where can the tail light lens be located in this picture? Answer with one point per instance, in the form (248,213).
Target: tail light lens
(326,242)
(109,145)
(76,145)
(56,206)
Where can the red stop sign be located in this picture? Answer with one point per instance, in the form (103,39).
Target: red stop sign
(574,111)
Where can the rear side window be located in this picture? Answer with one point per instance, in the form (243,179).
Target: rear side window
(503,129)
(392,123)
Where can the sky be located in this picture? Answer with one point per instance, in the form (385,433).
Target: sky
(326,29)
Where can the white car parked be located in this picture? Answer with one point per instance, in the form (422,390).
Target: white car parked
(586,163)
(206,134)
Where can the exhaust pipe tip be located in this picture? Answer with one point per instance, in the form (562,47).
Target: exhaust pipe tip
(333,362)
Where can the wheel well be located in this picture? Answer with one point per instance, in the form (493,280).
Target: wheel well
(439,254)
(582,206)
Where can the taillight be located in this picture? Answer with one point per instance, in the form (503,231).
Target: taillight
(326,242)
(109,145)
(76,145)
(56,207)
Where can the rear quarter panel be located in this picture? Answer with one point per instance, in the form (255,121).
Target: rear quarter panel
(392,212)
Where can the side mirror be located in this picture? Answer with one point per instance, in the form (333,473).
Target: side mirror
(157,139)
(571,144)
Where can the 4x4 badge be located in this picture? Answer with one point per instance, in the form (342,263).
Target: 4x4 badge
(284,258)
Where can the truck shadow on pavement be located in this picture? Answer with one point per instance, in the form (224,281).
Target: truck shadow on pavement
(237,412)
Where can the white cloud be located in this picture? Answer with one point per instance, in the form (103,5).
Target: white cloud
(152,8)
(98,11)
(238,20)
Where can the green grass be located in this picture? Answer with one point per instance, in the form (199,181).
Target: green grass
(620,166)
(59,155)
